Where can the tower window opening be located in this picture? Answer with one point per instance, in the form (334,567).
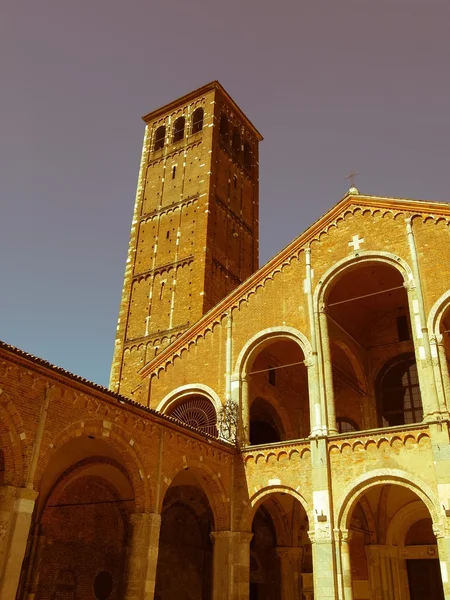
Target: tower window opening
(247,156)
(272,376)
(234,181)
(197,120)
(403,329)
(174,171)
(160,135)
(178,129)
(223,127)
(167,235)
(236,141)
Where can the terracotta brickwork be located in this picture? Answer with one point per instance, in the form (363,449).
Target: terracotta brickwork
(194,235)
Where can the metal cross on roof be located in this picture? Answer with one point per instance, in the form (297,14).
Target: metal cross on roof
(351,177)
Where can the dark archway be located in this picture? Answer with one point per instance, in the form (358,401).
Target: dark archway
(84,528)
(280,550)
(185,548)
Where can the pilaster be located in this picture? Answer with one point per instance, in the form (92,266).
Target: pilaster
(290,566)
(143,556)
(231,565)
(16,509)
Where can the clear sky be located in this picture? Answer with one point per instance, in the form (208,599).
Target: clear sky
(332,85)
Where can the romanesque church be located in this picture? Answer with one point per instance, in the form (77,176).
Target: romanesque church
(273,433)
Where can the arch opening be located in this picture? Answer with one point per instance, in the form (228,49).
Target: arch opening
(184,567)
(84,527)
(160,136)
(197,120)
(280,550)
(178,129)
(278,392)
(368,322)
(390,525)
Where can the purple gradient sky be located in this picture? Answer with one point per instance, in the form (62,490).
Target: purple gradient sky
(332,86)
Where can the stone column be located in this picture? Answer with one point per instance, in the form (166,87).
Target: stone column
(16,509)
(290,562)
(383,572)
(327,372)
(231,565)
(244,434)
(346,571)
(143,556)
(443,543)
(441,373)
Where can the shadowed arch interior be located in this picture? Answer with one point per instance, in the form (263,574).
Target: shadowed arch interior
(278,391)
(184,567)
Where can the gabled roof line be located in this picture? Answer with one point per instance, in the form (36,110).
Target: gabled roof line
(404,204)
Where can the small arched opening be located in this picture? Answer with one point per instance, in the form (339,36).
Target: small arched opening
(160,136)
(178,129)
(184,567)
(278,391)
(223,128)
(247,156)
(197,120)
(236,141)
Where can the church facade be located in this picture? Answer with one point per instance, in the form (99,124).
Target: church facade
(279,433)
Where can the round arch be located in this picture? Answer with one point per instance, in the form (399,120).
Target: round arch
(266,336)
(441,372)
(263,494)
(361,484)
(187,390)
(436,313)
(118,440)
(209,483)
(362,256)
(403,520)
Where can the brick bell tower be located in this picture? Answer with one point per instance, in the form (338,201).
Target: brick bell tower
(194,235)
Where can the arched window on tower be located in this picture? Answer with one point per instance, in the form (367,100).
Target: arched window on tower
(236,141)
(223,128)
(178,129)
(160,135)
(247,156)
(197,120)
(399,393)
(196,411)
